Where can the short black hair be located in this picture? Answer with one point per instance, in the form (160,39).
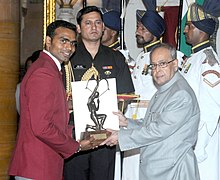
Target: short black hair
(87,10)
(59,23)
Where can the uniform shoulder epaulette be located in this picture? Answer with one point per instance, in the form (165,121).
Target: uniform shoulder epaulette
(210,57)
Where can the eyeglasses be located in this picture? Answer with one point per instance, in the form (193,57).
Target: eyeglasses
(162,64)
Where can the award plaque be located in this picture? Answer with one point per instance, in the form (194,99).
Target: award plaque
(99,136)
(93,104)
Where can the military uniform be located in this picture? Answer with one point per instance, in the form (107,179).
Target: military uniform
(116,45)
(202,72)
(109,63)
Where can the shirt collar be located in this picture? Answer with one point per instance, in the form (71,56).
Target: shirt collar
(200,46)
(148,47)
(54,59)
(115,45)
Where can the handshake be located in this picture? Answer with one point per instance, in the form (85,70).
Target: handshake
(111,139)
(93,140)
(87,144)
(93,143)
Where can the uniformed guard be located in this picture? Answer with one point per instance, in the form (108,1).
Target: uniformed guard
(202,72)
(111,19)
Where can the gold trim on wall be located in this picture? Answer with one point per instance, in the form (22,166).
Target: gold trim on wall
(49,15)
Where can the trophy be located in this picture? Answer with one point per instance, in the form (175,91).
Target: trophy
(99,133)
(94,100)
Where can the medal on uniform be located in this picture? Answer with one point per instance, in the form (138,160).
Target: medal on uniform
(145,70)
(187,68)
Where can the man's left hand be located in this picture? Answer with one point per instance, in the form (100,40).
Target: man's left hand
(112,139)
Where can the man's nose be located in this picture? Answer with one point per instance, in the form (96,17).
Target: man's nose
(69,46)
(94,26)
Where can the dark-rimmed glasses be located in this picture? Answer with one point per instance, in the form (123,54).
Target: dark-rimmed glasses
(161,64)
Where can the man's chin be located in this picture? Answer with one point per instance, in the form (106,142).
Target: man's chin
(140,42)
(65,59)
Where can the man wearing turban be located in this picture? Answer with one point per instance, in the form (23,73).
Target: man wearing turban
(111,20)
(202,71)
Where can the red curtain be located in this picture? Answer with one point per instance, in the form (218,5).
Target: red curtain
(171,14)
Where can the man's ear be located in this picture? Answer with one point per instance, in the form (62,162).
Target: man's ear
(176,65)
(78,28)
(113,33)
(203,35)
(48,42)
(103,25)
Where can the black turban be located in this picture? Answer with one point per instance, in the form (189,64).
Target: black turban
(111,19)
(154,23)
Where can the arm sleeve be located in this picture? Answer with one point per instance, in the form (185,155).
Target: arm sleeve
(209,102)
(46,122)
(159,126)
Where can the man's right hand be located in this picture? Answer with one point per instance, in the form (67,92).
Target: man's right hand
(87,144)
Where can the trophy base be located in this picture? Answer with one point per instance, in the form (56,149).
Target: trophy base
(99,136)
